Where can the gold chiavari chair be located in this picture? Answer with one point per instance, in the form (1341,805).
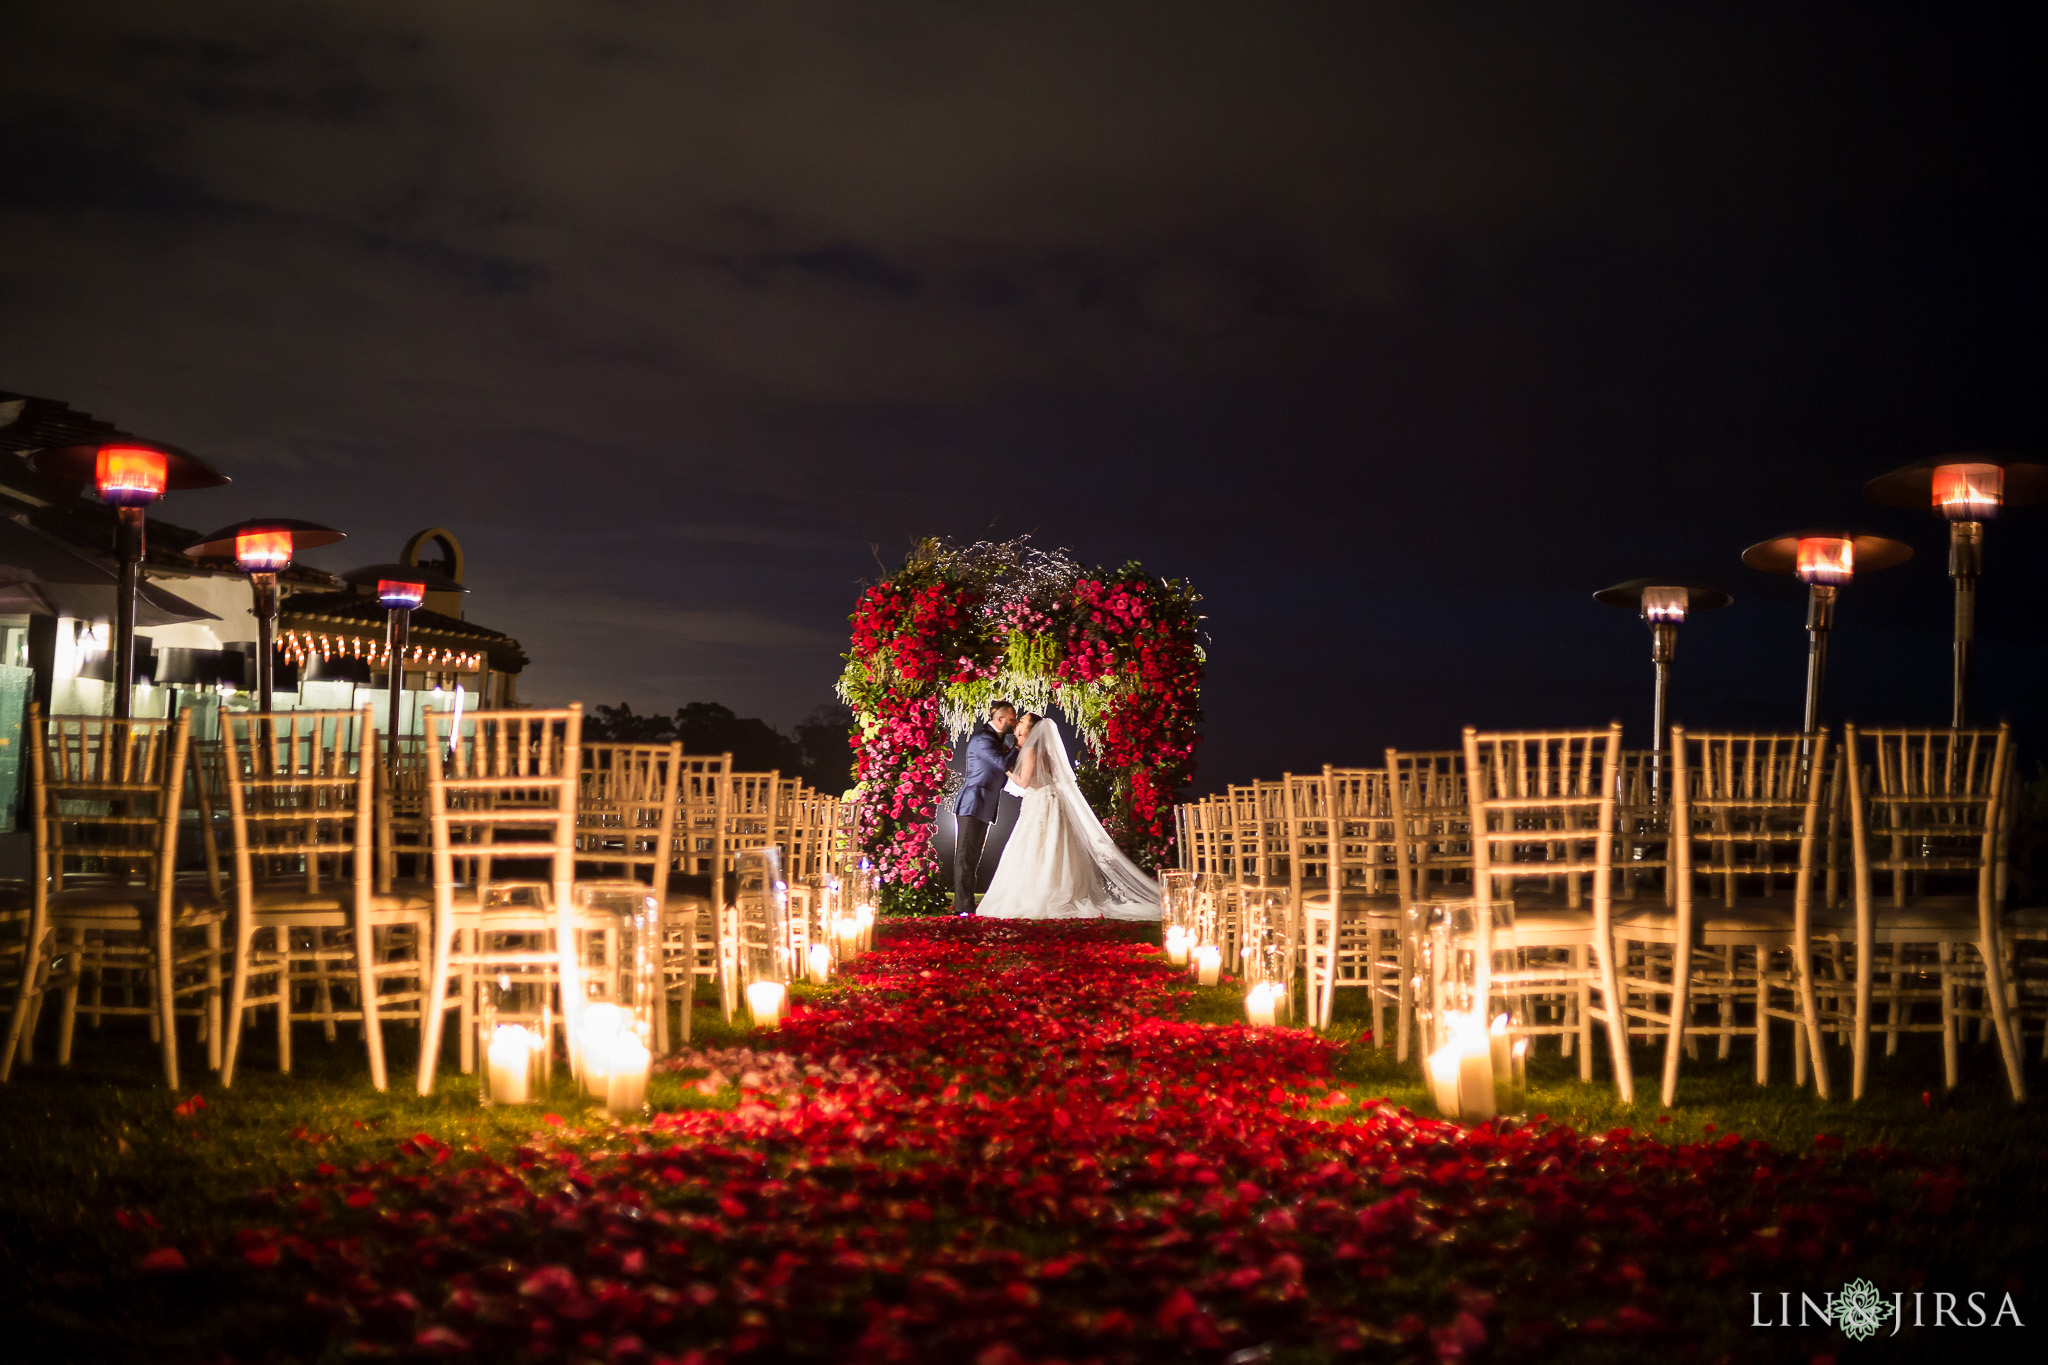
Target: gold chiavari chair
(1749,869)
(1357,907)
(106,797)
(2025,918)
(1543,813)
(701,883)
(1432,819)
(300,788)
(1642,824)
(626,817)
(402,812)
(501,809)
(1924,816)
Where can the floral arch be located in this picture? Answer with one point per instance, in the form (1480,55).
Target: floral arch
(958,626)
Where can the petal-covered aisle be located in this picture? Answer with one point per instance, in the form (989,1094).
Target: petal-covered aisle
(998,1145)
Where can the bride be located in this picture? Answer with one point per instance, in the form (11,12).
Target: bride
(1060,863)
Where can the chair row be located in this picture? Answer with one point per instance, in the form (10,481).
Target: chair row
(520,860)
(1732,884)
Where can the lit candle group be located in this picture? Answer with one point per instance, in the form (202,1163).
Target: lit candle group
(1478,1071)
(1177,944)
(615,1061)
(764,1002)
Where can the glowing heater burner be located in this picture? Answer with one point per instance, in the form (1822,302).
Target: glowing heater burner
(129,476)
(1969,492)
(1665,606)
(394,593)
(1826,560)
(263,551)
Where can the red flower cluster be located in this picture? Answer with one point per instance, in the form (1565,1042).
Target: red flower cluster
(1000,1152)
(927,632)
(1129,626)
(1125,635)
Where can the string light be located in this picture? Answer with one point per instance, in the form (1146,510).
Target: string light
(302,645)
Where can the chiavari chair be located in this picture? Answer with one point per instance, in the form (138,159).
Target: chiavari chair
(626,816)
(701,883)
(1543,813)
(2025,922)
(1925,815)
(501,809)
(106,797)
(300,793)
(1343,827)
(1748,873)
(1432,820)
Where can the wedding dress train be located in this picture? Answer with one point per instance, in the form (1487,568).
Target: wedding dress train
(1060,863)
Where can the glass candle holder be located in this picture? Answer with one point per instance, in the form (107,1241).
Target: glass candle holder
(1473,1058)
(762,901)
(515,1018)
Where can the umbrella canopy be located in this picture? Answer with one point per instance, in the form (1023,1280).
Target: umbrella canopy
(41,575)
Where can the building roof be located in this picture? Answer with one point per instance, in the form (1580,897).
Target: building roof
(359,616)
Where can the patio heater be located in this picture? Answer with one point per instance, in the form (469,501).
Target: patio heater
(127,476)
(262,548)
(1967,490)
(1664,604)
(1825,561)
(401,588)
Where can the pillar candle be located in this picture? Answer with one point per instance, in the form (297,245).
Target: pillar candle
(1208,964)
(764,1002)
(820,960)
(1260,1004)
(626,1083)
(1177,945)
(602,1022)
(510,1065)
(1475,1069)
(1443,1079)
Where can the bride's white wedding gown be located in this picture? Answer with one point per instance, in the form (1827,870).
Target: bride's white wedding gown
(1059,862)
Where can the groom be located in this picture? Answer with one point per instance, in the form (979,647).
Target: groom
(989,757)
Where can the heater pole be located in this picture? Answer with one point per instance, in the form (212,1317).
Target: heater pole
(131,542)
(1965,563)
(400,632)
(1663,649)
(1820,619)
(263,587)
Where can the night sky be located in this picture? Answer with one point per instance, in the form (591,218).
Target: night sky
(1398,332)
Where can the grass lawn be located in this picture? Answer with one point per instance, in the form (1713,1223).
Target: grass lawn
(100,1171)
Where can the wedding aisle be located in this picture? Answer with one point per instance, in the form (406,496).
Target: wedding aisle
(996,1144)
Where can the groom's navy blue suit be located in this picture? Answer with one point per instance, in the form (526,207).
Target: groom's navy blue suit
(988,760)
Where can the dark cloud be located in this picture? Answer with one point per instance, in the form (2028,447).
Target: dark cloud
(1399,331)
